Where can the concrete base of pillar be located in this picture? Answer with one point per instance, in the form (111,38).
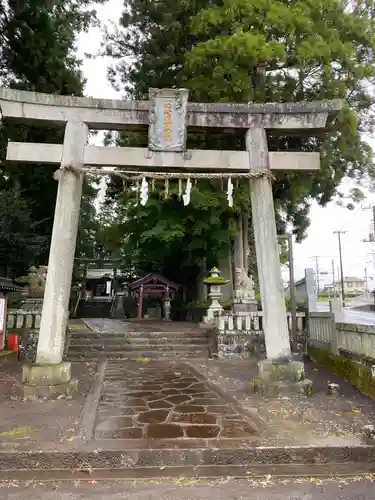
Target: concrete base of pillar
(282,378)
(48,381)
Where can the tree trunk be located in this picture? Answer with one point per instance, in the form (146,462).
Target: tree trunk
(245,239)
(225,268)
(238,245)
(201,287)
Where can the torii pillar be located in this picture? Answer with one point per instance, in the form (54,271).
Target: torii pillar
(50,375)
(279,373)
(267,251)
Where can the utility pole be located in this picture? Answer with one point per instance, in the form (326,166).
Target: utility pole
(366,282)
(333,279)
(371,236)
(317,273)
(339,233)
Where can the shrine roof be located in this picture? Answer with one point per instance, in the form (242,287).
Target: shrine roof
(7,285)
(153,278)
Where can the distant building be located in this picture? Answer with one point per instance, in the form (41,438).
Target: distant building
(104,281)
(352,286)
(301,292)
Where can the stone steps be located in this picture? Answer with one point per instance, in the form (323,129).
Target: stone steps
(93,345)
(154,335)
(231,460)
(138,341)
(132,355)
(135,348)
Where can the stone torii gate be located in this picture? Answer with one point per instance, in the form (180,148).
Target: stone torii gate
(169,117)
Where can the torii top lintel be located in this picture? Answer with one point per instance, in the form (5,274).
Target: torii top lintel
(101,114)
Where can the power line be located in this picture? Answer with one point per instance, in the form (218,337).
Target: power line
(317,272)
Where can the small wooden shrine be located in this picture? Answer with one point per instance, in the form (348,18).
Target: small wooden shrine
(154,285)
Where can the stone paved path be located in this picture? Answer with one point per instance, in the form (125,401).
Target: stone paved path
(163,400)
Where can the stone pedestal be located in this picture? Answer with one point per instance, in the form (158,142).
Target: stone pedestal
(48,380)
(244,306)
(282,378)
(33,305)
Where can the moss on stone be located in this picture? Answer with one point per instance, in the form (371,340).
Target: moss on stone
(358,374)
(215,280)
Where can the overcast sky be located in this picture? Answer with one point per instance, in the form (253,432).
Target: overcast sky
(320,240)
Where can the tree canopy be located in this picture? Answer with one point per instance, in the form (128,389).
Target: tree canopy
(241,51)
(38,53)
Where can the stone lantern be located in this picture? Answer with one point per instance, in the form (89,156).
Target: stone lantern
(214,282)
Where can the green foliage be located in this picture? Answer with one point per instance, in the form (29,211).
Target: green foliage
(240,51)
(168,238)
(37,53)
(88,225)
(20,241)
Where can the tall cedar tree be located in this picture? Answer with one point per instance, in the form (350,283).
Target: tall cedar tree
(309,49)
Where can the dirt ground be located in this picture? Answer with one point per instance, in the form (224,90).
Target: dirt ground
(319,419)
(39,421)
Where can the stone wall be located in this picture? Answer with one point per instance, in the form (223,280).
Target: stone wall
(356,340)
(346,349)
(241,334)
(346,339)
